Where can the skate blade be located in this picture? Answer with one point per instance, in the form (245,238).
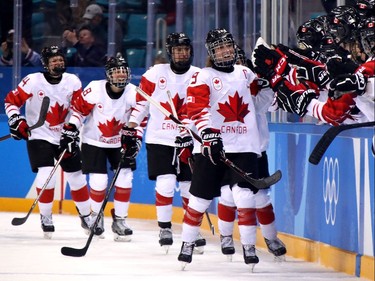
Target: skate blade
(166,248)
(183,265)
(47,235)
(279,259)
(252,265)
(198,250)
(122,238)
(229,258)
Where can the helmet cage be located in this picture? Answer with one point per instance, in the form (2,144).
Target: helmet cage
(50,52)
(367,35)
(175,40)
(222,61)
(115,66)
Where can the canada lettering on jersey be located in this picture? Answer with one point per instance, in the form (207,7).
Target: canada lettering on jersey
(227,129)
(169,126)
(114,140)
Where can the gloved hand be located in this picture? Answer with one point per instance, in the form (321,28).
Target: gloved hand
(69,140)
(212,145)
(336,111)
(271,65)
(18,127)
(130,142)
(313,71)
(295,98)
(184,148)
(347,83)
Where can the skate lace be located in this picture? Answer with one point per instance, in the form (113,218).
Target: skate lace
(46,220)
(121,224)
(165,233)
(187,248)
(227,241)
(249,250)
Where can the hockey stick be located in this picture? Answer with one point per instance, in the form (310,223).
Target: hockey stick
(328,137)
(74,252)
(258,183)
(42,117)
(19,221)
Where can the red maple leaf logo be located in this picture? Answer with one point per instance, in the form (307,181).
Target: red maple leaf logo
(110,128)
(56,115)
(177,102)
(235,110)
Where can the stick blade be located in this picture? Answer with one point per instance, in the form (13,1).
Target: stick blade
(73,252)
(19,221)
(323,144)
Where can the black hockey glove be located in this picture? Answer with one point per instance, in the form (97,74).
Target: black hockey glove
(295,98)
(130,142)
(18,127)
(184,148)
(347,83)
(313,71)
(69,140)
(212,145)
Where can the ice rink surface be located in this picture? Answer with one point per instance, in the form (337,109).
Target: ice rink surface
(26,256)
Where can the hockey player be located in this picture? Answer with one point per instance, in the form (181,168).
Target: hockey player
(162,133)
(43,143)
(222,110)
(264,214)
(101,111)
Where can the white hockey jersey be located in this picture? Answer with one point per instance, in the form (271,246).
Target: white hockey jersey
(156,82)
(223,101)
(101,116)
(31,91)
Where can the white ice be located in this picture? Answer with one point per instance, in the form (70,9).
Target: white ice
(26,256)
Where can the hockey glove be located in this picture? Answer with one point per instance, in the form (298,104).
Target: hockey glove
(295,98)
(69,140)
(18,127)
(347,83)
(130,142)
(270,65)
(212,145)
(313,71)
(184,148)
(336,111)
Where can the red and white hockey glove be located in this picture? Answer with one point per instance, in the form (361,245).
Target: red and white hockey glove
(184,148)
(130,142)
(212,145)
(18,127)
(270,64)
(336,111)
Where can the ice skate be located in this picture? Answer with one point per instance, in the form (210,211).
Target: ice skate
(277,248)
(199,245)
(186,254)
(249,256)
(99,229)
(121,231)
(47,226)
(86,222)
(165,238)
(227,246)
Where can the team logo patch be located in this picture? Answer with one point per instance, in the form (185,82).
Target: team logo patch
(217,84)
(162,83)
(41,94)
(100,107)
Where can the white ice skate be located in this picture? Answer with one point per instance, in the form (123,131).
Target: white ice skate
(186,254)
(277,248)
(47,226)
(165,238)
(199,245)
(121,231)
(250,256)
(227,246)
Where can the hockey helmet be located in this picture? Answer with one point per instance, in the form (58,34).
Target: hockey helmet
(216,39)
(310,34)
(179,39)
(241,56)
(115,65)
(50,52)
(367,35)
(343,24)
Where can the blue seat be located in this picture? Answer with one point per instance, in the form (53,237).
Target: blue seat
(136,26)
(136,57)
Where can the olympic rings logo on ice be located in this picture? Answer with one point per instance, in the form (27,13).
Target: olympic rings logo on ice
(331,189)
